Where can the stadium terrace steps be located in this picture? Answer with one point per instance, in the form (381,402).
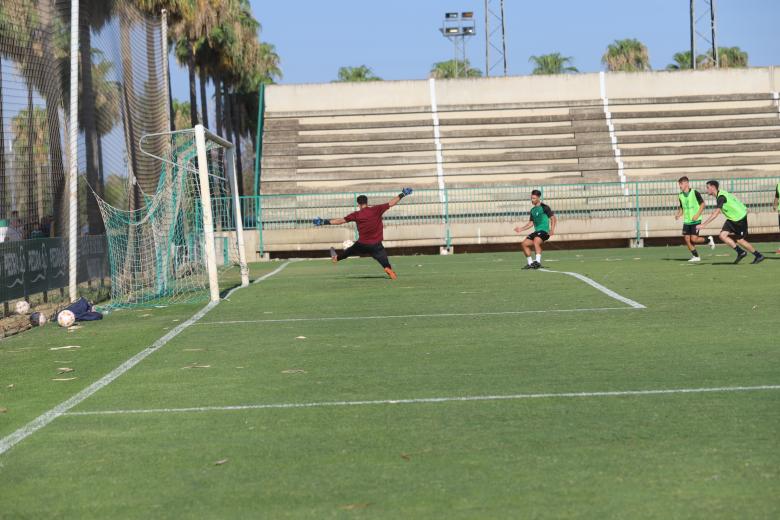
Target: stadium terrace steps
(504,142)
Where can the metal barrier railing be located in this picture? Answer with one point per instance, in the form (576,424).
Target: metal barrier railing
(633,199)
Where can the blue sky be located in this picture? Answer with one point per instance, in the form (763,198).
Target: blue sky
(399,39)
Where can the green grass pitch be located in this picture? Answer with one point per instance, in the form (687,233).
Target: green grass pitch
(464,326)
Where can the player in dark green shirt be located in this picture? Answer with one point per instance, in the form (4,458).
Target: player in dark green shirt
(543,220)
(691,208)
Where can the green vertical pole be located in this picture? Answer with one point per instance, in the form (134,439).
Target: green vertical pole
(355,207)
(448,240)
(638,218)
(258,157)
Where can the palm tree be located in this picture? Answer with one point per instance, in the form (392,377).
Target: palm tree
(198,19)
(93,14)
(30,129)
(108,95)
(553,63)
(627,55)
(154,8)
(243,64)
(29,35)
(682,61)
(454,69)
(181,111)
(729,58)
(211,51)
(356,74)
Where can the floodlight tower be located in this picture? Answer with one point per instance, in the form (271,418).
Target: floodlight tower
(696,23)
(495,36)
(457,27)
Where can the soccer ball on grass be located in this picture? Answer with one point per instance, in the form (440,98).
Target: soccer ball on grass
(37,319)
(66,318)
(22,307)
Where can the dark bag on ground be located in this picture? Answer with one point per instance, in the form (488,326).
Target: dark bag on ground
(83,311)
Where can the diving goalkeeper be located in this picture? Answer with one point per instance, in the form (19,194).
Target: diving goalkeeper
(370,231)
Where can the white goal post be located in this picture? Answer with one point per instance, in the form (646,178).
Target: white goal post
(201,135)
(181,241)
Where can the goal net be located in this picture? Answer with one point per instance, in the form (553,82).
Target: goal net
(185,241)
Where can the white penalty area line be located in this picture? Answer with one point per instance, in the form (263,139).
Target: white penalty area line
(433,400)
(8,442)
(405,316)
(598,286)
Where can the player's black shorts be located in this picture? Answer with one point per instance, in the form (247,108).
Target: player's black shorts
(541,234)
(738,227)
(377,251)
(690,229)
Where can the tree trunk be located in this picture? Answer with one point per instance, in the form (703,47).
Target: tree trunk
(127,116)
(204,106)
(94,220)
(218,103)
(193,96)
(226,119)
(56,165)
(32,207)
(101,186)
(237,143)
(170,98)
(52,94)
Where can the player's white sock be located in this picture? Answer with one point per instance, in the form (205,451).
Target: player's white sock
(530,260)
(539,259)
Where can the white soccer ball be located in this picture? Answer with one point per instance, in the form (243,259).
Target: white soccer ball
(22,307)
(66,318)
(38,319)
(347,244)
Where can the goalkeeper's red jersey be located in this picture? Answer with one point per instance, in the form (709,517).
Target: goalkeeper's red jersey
(369,223)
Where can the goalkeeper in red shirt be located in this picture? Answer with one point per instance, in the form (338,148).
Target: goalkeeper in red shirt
(370,231)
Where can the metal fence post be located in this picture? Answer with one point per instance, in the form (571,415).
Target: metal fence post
(638,217)
(447,231)
(258,165)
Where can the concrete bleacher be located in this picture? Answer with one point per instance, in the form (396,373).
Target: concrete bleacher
(492,134)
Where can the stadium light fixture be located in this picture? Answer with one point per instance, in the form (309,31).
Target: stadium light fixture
(456,27)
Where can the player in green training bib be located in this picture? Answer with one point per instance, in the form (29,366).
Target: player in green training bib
(691,208)
(736,222)
(543,220)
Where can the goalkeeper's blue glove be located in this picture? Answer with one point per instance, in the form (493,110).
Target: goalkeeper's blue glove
(405,192)
(321,222)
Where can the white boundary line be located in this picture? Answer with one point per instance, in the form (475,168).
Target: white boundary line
(596,285)
(429,400)
(39,422)
(437,138)
(401,316)
(611,127)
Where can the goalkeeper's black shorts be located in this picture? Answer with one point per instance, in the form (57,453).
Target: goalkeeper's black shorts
(377,252)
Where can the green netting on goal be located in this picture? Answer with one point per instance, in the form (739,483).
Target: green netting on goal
(159,253)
